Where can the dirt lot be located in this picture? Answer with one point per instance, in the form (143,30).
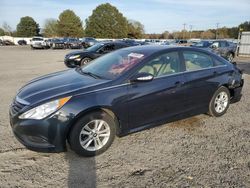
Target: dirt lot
(197,152)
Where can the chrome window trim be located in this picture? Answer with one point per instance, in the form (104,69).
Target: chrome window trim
(187,71)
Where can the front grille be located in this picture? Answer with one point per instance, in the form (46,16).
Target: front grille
(16,107)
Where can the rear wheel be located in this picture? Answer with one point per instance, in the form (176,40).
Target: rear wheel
(85,61)
(219,102)
(92,134)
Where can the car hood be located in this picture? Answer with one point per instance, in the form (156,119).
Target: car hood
(56,85)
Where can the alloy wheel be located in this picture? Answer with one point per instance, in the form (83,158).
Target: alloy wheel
(221,102)
(94,135)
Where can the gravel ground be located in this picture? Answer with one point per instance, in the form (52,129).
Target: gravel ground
(201,151)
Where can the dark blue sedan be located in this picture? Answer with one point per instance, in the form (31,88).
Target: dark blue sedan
(119,93)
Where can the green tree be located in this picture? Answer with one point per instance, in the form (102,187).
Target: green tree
(2,32)
(50,28)
(245,26)
(135,29)
(233,32)
(27,27)
(69,24)
(106,22)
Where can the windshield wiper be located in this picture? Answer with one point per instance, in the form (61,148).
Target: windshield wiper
(89,73)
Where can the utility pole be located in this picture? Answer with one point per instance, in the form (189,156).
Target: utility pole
(184,29)
(217,27)
(191,27)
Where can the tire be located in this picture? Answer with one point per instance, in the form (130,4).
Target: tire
(83,138)
(85,61)
(230,57)
(219,102)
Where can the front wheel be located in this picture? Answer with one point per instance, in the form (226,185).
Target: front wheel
(92,134)
(85,61)
(219,102)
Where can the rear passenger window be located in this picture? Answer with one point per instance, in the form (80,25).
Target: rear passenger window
(197,60)
(218,62)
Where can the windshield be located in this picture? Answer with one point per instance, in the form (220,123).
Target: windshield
(95,47)
(114,64)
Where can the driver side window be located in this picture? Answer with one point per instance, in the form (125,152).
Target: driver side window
(165,64)
(109,48)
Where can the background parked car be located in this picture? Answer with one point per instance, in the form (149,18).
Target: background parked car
(88,41)
(224,48)
(203,44)
(57,43)
(6,43)
(83,57)
(131,42)
(38,43)
(182,42)
(73,43)
(22,42)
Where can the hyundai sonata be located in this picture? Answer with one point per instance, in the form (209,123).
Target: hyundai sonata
(119,93)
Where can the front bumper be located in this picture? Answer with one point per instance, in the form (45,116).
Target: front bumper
(47,135)
(38,46)
(71,63)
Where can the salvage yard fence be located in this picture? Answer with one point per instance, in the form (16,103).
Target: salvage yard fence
(243,48)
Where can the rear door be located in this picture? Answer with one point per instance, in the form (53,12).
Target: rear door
(199,76)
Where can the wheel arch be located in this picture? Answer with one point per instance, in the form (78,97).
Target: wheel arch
(231,91)
(104,109)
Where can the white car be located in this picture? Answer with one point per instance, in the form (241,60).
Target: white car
(38,42)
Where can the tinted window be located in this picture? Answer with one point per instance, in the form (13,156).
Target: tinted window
(109,47)
(95,47)
(218,62)
(164,64)
(197,60)
(118,46)
(223,44)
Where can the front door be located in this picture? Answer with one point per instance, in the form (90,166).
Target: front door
(161,98)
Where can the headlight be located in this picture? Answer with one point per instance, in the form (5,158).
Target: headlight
(74,56)
(44,110)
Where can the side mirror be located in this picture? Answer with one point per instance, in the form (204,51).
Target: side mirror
(142,77)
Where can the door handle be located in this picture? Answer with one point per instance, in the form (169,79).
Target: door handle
(215,72)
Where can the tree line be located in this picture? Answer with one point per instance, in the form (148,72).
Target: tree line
(106,21)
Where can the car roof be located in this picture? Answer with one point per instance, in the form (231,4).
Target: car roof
(151,49)
(113,42)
